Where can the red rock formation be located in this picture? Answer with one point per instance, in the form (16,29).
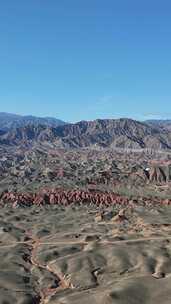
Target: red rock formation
(68,197)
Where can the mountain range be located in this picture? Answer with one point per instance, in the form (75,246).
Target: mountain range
(101,133)
(8,121)
(164,124)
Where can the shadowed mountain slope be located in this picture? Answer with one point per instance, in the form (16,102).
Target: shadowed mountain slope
(120,133)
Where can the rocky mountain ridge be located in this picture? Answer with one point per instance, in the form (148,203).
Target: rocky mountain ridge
(164,124)
(108,133)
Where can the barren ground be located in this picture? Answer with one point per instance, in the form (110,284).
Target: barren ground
(58,255)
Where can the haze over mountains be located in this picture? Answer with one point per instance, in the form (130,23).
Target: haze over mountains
(8,120)
(100,133)
(162,123)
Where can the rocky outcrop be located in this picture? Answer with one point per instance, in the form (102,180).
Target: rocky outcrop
(61,197)
(159,173)
(69,197)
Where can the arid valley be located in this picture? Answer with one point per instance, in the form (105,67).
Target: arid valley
(89,223)
(85,152)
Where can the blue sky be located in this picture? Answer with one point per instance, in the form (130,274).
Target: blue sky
(86,59)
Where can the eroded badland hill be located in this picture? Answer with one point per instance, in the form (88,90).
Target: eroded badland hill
(85,213)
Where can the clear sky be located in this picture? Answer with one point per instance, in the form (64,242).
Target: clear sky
(86,59)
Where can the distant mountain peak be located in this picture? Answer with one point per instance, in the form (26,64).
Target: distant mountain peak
(9,120)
